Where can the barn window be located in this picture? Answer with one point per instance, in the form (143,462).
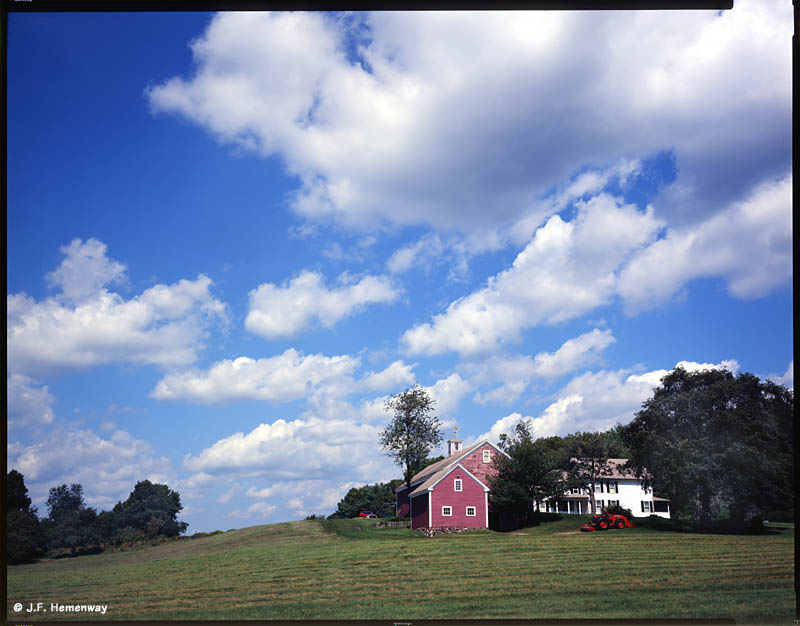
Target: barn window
(457,484)
(486,456)
(447,511)
(471,511)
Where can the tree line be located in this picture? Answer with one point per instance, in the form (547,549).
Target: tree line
(150,511)
(716,444)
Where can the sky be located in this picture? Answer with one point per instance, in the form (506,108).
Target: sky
(231,237)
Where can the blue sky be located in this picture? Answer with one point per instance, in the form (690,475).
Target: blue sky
(231,237)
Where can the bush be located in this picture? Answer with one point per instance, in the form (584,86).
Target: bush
(616,509)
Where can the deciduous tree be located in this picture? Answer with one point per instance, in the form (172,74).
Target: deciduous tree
(712,436)
(413,431)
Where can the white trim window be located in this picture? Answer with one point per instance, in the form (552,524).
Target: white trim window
(613,503)
(599,505)
(598,487)
(487,456)
(613,487)
(646,507)
(447,511)
(457,485)
(576,490)
(472,511)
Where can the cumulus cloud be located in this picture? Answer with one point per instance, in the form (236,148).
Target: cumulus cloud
(749,244)
(108,468)
(421,252)
(85,270)
(88,325)
(786,379)
(598,400)
(304,496)
(29,404)
(566,270)
(279,311)
(301,449)
(281,378)
(395,375)
(516,372)
(447,393)
(462,92)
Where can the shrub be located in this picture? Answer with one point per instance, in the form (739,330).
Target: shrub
(616,509)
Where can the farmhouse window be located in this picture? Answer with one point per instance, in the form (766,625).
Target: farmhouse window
(598,487)
(447,511)
(471,511)
(645,506)
(457,484)
(576,490)
(613,487)
(599,506)
(613,503)
(486,456)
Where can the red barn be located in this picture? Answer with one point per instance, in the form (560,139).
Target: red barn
(453,491)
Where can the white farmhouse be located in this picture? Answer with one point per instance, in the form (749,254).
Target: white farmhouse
(618,487)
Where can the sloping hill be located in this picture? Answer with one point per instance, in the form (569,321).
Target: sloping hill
(348,569)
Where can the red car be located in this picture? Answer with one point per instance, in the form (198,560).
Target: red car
(604,521)
(367,514)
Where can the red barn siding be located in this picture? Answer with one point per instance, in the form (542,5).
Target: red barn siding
(444,494)
(401,502)
(419,511)
(474,463)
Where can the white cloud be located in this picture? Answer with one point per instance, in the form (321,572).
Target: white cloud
(566,270)
(447,393)
(85,270)
(395,375)
(516,372)
(421,252)
(107,468)
(786,379)
(304,496)
(301,449)
(281,378)
(87,325)
(596,401)
(749,245)
(29,405)
(462,93)
(284,311)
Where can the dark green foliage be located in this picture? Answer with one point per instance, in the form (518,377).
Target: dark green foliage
(378,498)
(588,462)
(16,492)
(713,440)
(150,509)
(616,509)
(70,522)
(26,538)
(524,477)
(413,431)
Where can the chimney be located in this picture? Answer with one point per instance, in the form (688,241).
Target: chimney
(453,445)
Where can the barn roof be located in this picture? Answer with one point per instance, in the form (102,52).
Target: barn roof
(438,476)
(446,463)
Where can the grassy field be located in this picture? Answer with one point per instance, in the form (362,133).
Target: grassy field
(350,570)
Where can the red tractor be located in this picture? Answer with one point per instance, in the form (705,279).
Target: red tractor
(604,521)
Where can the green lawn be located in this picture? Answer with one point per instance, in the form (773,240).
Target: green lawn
(350,570)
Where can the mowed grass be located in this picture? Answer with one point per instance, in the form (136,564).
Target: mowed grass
(350,570)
